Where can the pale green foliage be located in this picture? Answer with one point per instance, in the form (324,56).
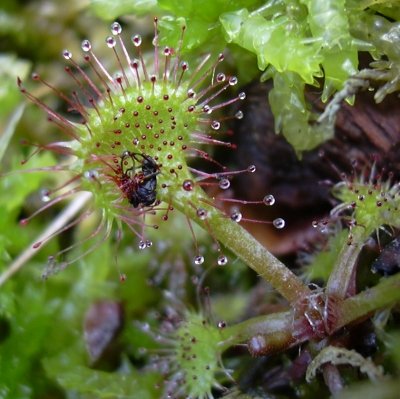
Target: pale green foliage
(197,355)
(374,203)
(297,42)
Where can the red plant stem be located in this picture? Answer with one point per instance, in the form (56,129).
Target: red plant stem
(384,294)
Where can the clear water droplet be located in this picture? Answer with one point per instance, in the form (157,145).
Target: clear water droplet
(191,93)
(67,54)
(144,327)
(187,185)
(116,28)
(45,195)
(142,245)
(236,216)
(239,115)
(251,168)
(314,224)
(91,174)
(137,40)
(202,213)
(269,200)
(86,45)
(233,80)
(198,260)
(207,109)
(221,77)
(224,184)
(110,42)
(135,141)
(221,324)
(222,260)
(241,96)
(279,223)
(149,243)
(215,125)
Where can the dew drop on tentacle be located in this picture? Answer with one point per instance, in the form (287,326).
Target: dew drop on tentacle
(269,200)
(279,223)
(86,45)
(224,184)
(239,115)
(116,28)
(236,216)
(110,41)
(137,40)
(207,109)
(202,213)
(233,80)
(251,168)
(215,125)
(222,260)
(188,185)
(221,77)
(198,260)
(45,195)
(67,54)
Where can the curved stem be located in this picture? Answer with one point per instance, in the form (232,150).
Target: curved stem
(262,325)
(280,330)
(385,293)
(234,237)
(344,270)
(247,248)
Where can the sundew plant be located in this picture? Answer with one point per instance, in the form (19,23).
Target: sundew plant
(173,228)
